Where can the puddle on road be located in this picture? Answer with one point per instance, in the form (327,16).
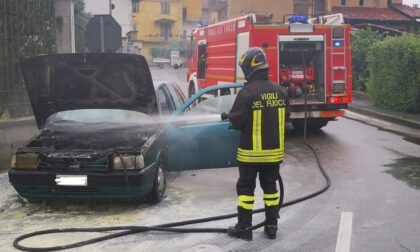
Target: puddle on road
(406,169)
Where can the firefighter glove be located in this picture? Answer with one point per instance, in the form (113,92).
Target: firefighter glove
(224,116)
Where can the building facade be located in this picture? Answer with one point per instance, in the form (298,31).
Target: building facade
(364,3)
(159,24)
(278,8)
(309,7)
(192,17)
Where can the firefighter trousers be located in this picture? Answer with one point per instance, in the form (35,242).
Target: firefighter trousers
(245,189)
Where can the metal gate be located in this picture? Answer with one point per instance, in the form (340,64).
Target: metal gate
(26,29)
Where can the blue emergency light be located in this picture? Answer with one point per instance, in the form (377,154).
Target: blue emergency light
(298,19)
(338,43)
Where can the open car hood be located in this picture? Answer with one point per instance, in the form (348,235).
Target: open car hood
(88,81)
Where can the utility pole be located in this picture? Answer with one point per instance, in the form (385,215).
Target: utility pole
(110,7)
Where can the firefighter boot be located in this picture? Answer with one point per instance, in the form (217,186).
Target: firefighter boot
(271,216)
(243,228)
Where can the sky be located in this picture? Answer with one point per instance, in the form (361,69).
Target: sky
(411,2)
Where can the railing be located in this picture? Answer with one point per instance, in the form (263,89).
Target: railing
(26,29)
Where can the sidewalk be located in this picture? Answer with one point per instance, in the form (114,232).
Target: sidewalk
(363,104)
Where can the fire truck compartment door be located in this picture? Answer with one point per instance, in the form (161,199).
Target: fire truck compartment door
(198,140)
(241,47)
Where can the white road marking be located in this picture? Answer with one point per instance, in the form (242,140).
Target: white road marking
(344,232)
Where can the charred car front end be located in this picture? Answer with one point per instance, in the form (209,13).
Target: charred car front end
(98,138)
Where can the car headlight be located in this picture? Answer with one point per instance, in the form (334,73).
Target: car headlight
(128,162)
(24,161)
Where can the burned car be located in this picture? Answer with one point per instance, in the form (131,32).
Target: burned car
(102,133)
(98,132)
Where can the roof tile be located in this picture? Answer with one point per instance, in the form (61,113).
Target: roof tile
(367,13)
(410,11)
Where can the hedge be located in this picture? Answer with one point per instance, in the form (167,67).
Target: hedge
(361,42)
(394,66)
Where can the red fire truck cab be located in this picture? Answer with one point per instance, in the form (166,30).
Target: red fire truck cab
(316,54)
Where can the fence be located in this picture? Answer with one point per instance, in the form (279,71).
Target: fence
(26,29)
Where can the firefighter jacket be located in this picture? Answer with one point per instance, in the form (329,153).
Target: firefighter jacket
(259,112)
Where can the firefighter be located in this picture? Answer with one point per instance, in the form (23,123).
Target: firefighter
(259,112)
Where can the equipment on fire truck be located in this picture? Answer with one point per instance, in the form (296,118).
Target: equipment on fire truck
(333,19)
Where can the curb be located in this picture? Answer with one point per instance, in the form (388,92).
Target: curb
(399,120)
(17,121)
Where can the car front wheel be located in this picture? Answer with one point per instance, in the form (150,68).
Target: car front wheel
(159,186)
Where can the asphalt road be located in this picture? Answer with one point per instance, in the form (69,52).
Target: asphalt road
(375,175)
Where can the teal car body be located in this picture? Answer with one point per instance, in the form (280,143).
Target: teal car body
(204,144)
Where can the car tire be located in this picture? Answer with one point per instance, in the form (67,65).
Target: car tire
(176,66)
(159,185)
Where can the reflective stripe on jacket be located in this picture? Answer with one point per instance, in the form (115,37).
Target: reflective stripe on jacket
(259,111)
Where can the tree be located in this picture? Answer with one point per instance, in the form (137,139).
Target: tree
(79,6)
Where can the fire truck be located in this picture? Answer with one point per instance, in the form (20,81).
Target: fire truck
(303,54)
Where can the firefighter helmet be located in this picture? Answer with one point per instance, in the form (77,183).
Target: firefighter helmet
(252,61)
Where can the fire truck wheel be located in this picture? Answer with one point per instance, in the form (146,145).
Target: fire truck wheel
(191,89)
(313,124)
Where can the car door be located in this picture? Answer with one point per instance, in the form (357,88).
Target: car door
(164,99)
(197,137)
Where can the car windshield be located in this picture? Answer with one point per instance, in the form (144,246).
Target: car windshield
(213,105)
(99,116)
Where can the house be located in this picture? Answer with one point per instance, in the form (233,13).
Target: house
(192,15)
(227,9)
(412,12)
(159,24)
(378,14)
(309,7)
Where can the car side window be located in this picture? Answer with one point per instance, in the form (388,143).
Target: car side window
(178,100)
(165,104)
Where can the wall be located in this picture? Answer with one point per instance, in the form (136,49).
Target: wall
(13,134)
(64,26)
(310,7)
(279,8)
(194,11)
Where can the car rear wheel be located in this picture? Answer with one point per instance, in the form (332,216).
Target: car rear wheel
(159,186)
